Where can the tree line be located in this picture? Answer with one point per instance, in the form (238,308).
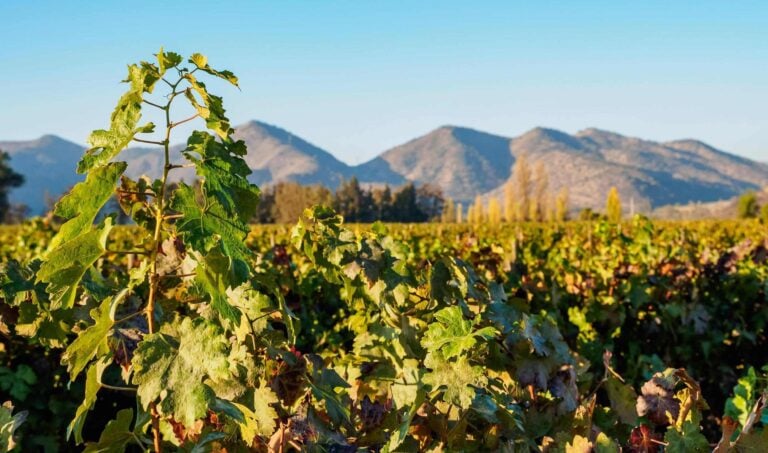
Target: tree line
(526,197)
(285,201)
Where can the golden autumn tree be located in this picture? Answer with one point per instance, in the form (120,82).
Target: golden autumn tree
(561,205)
(540,193)
(509,201)
(613,205)
(449,213)
(494,211)
(521,181)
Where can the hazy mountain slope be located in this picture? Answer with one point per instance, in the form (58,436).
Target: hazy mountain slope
(646,173)
(48,165)
(463,162)
(578,166)
(277,155)
(723,209)
(378,172)
(149,162)
(727,164)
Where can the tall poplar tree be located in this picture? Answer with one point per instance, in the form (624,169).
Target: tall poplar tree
(521,177)
(613,206)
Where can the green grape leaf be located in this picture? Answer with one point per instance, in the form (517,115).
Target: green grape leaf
(116,435)
(688,440)
(405,390)
(208,225)
(46,327)
(261,420)
(504,316)
(457,378)
(221,166)
(212,108)
(174,365)
(167,60)
(18,383)
(399,436)
(81,205)
(9,423)
(740,405)
(452,334)
(544,338)
(604,444)
(323,388)
(623,400)
(90,340)
(213,275)
(65,266)
(201,61)
(106,144)
(92,387)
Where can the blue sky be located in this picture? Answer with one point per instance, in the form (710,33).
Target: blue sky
(357,77)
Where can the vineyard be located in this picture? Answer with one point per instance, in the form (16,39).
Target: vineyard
(193,331)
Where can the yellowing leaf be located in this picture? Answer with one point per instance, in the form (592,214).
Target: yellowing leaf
(174,365)
(106,144)
(116,435)
(65,266)
(81,205)
(92,387)
(261,420)
(579,444)
(88,342)
(457,378)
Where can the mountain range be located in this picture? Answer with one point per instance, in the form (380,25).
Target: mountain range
(463,162)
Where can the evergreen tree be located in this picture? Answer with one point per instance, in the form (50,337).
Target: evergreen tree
(8,180)
(764,214)
(382,202)
(264,212)
(613,206)
(430,201)
(405,208)
(352,202)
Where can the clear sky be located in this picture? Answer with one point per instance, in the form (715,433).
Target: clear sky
(357,77)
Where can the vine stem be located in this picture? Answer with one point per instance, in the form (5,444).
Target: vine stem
(154,278)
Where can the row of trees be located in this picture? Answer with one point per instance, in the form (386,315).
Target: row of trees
(285,201)
(526,197)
